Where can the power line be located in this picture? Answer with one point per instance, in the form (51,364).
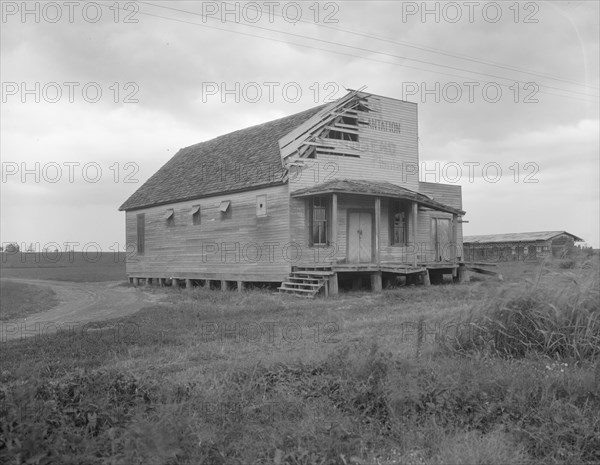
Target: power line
(356,48)
(346,54)
(463,57)
(440,52)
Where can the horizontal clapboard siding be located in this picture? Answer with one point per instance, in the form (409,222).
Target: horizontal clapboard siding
(249,247)
(424,246)
(385,156)
(448,194)
(246,247)
(320,255)
(299,235)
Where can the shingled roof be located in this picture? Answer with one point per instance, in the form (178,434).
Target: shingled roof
(518,237)
(218,165)
(374,188)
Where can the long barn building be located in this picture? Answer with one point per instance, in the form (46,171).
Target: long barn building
(326,195)
(519,246)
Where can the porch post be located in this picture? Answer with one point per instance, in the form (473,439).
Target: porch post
(414,231)
(376,281)
(377,228)
(334,212)
(333,284)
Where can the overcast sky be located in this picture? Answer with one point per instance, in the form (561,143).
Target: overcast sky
(510,87)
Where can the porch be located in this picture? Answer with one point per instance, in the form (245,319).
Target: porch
(366,222)
(307,281)
(351,230)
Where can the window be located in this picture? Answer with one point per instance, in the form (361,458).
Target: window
(261,205)
(141,233)
(170,217)
(195,213)
(225,209)
(318,219)
(399,222)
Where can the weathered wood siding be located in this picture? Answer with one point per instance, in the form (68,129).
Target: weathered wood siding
(448,194)
(507,251)
(395,253)
(338,251)
(423,247)
(519,250)
(246,247)
(388,147)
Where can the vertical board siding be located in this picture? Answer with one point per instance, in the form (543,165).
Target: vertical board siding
(448,194)
(247,246)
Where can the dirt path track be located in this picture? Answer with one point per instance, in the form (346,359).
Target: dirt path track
(79,303)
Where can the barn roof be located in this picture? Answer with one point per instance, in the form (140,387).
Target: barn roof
(374,188)
(518,237)
(214,166)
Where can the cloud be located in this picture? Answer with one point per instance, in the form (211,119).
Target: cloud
(169,62)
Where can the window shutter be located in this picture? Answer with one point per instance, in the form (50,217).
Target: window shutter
(141,220)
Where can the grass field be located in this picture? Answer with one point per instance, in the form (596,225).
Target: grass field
(71,266)
(18,300)
(481,373)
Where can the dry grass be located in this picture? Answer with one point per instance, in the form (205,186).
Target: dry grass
(556,314)
(210,377)
(19,300)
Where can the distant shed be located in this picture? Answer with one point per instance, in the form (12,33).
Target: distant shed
(518,246)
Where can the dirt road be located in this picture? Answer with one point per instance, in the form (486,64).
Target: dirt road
(80,304)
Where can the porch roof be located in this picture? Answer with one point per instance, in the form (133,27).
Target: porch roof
(374,189)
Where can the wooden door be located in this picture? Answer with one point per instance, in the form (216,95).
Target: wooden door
(441,230)
(360,238)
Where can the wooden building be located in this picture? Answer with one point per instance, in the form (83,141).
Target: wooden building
(519,246)
(328,195)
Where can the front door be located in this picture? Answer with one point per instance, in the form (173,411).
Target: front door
(360,239)
(442,236)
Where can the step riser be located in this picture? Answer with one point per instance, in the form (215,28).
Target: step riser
(299,291)
(304,283)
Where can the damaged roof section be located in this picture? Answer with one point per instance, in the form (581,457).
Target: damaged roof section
(376,189)
(332,131)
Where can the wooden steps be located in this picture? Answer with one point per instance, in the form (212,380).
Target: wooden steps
(306,281)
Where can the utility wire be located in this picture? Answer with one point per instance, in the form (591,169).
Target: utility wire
(436,51)
(371,51)
(348,54)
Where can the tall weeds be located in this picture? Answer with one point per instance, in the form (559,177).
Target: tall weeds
(556,315)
